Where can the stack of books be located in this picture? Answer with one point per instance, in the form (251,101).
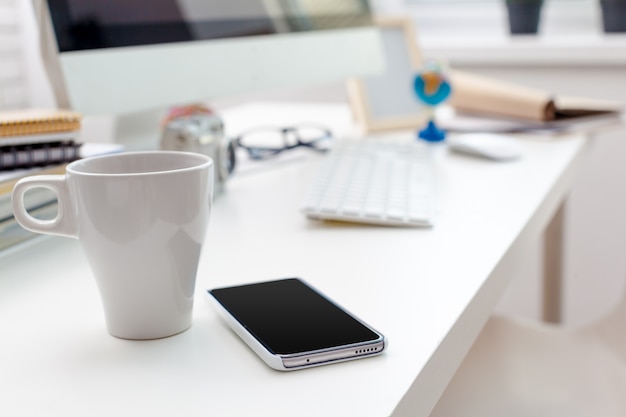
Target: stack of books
(35,138)
(37,142)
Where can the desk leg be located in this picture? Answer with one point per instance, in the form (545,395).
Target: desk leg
(553,267)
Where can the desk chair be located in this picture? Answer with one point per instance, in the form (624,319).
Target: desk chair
(520,369)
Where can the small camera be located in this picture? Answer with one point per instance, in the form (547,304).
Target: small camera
(202,133)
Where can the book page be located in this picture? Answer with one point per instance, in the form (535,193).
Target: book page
(576,106)
(482,95)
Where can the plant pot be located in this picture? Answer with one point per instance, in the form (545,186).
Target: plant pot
(524,16)
(613,15)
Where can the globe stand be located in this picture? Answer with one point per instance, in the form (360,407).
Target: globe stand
(431,133)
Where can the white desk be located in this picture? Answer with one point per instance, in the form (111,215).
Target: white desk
(428,290)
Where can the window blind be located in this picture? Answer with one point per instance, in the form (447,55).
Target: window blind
(13,81)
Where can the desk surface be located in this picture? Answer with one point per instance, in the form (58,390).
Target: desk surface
(428,290)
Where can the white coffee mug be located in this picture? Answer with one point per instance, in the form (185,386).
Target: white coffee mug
(141,219)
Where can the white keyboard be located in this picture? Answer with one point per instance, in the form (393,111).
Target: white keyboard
(373,181)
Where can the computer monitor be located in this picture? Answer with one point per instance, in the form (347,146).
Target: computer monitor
(120,57)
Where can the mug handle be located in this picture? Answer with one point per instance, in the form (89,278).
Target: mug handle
(64,224)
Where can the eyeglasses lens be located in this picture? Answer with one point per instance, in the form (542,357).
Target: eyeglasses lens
(262,143)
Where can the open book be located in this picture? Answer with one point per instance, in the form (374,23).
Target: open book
(483,103)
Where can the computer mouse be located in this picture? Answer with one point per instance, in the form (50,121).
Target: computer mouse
(493,146)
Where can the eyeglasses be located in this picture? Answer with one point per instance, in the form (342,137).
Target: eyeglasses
(266,142)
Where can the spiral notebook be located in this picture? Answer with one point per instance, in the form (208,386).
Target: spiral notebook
(37,121)
(30,155)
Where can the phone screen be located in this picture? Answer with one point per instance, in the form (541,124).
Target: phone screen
(287,316)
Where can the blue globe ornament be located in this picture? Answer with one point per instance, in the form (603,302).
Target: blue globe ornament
(432,87)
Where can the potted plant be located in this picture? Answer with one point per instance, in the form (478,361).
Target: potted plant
(613,15)
(523,16)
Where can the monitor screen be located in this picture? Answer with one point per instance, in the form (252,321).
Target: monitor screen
(81,25)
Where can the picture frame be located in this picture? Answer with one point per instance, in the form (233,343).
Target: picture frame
(386,101)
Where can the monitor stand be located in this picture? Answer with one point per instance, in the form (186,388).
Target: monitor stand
(138,131)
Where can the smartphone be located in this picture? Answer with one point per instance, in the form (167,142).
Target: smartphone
(291,325)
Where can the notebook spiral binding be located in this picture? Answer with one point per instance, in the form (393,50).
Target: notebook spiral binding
(21,122)
(38,154)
